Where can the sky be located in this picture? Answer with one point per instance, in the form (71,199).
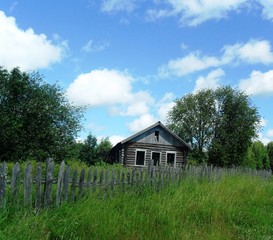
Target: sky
(128,60)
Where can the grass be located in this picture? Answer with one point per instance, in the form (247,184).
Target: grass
(235,207)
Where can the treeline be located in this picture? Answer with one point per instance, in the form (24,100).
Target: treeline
(92,151)
(259,156)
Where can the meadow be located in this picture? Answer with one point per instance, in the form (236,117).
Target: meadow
(236,206)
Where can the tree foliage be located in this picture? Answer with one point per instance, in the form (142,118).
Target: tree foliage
(192,119)
(36,119)
(270,154)
(236,124)
(219,124)
(92,152)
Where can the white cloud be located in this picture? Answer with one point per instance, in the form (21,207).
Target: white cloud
(258,84)
(119,5)
(263,122)
(188,64)
(91,46)
(164,106)
(263,139)
(141,123)
(270,133)
(195,12)
(267,8)
(101,87)
(211,81)
(253,52)
(116,139)
(25,48)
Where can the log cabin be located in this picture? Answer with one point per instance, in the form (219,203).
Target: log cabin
(156,142)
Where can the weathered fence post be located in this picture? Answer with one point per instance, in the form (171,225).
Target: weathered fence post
(28,185)
(101,182)
(49,182)
(66,184)
(15,183)
(112,180)
(88,181)
(81,183)
(3,182)
(95,178)
(38,200)
(60,184)
(74,185)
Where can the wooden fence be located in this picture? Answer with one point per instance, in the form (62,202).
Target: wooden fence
(39,188)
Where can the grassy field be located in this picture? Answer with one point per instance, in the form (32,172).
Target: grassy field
(235,207)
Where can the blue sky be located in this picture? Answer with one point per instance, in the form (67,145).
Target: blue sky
(127,60)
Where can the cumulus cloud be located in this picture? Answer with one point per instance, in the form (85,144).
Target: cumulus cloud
(141,123)
(267,9)
(116,139)
(258,83)
(24,48)
(211,81)
(100,87)
(195,12)
(252,52)
(164,106)
(264,140)
(119,5)
(191,63)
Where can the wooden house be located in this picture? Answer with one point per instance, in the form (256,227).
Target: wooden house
(156,142)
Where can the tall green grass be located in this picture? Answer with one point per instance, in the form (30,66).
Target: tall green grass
(235,207)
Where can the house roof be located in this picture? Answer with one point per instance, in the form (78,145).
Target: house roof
(151,127)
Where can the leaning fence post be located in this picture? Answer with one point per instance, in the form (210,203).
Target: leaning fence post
(28,185)
(60,184)
(15,182)
(49,182)
(3,183)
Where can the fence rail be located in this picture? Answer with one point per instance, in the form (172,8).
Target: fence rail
(34,189)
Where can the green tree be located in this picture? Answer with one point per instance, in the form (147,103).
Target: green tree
(236,124)
(260,155)
(36,119)
(103,150)
(88,152)
(192,119)
(270,154)
(218,124)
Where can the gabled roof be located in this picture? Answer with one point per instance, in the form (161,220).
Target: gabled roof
(151,127)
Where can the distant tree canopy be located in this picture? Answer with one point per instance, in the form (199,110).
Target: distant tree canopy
(36,120)
(93,152)
(219,124)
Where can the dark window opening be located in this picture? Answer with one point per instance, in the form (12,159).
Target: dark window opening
(140,157)
(156,158)
(170,158)
(157,135)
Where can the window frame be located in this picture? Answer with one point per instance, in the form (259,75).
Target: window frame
(159,156)
(140,150)
(171,152)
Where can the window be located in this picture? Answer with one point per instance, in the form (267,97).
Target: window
(157,135)
(140,157)
(171,158)
(156,158)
